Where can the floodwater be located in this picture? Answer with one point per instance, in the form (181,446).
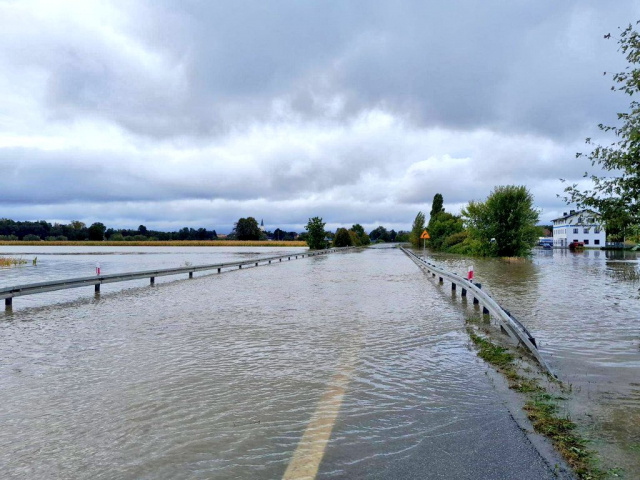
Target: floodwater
(219,376)
(584,310)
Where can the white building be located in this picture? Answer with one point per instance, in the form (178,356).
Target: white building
(582,226)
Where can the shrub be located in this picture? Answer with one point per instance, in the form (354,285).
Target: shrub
(455,239)
(342,238)
(31,238)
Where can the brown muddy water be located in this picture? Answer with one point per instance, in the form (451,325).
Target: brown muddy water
(217,377)
(584,310)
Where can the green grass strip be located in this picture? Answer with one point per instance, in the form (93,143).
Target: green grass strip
(542,410)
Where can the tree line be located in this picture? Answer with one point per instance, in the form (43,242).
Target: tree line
(77,231)
(318,238)
(244,229)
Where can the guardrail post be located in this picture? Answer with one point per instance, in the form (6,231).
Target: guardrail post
(256,264)
(463,293)
(453,287)
(8,302)
(485,311)
(152,280)
(440,279)
(96,288)
(269,262)
(219,269)
(239,267)
(475,301)
(190,274)
(433,275)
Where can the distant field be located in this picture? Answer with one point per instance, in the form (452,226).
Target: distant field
(169,243)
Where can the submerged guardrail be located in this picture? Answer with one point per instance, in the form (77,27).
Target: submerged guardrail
(512,327)
(8,293)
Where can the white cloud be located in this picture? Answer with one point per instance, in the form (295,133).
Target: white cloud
(174,114)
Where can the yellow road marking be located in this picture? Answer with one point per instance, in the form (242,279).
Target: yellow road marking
(307,457)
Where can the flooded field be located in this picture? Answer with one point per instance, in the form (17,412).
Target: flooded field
(584,309)
(217,377)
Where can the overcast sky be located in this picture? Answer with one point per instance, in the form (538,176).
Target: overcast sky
(195,113)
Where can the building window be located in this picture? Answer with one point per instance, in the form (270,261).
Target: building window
(575,230)
(596,242)
(586,241)
(586,230)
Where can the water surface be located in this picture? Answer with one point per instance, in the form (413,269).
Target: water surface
(217,377)
(584,310)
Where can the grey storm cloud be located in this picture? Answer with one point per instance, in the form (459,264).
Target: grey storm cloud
(179,112)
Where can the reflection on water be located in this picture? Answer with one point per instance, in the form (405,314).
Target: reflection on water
(583,310)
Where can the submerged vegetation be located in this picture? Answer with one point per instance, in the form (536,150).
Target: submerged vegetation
(542,409)
(11,262)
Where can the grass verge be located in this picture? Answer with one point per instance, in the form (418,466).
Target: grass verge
(542,410)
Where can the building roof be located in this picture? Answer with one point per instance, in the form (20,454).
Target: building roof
(575,214)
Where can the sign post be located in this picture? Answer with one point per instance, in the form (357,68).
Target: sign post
(425,236)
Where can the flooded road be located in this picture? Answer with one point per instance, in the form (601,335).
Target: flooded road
(221,377)
(584,310)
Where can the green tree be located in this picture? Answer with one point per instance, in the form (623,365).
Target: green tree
(417,229)
(505,224)
(441,226)
(342,238)
(402,236)
(77,224)
(315,233)
(436,206)
(363,238)
(380,234)
(617,191)
(247,229)
(96,231)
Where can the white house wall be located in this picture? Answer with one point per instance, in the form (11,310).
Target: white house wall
(569,229)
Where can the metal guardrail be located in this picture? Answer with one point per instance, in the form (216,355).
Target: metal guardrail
(512,327)
(8,293)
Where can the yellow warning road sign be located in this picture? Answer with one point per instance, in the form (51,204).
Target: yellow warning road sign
(425,235)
